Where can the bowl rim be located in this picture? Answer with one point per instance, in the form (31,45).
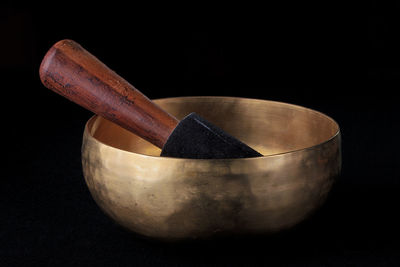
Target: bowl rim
(334,136)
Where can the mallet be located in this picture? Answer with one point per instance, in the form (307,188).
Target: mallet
(71,71)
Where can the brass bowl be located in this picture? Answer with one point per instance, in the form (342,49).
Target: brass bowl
(171,198)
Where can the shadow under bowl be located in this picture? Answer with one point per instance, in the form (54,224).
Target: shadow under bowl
(175,199)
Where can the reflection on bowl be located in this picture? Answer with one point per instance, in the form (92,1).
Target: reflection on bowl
(171,198)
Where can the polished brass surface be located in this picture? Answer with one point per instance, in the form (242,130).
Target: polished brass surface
(171,198)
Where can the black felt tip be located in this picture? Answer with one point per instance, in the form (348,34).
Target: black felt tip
(197,138)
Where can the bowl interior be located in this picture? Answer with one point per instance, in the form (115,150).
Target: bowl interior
(269,127)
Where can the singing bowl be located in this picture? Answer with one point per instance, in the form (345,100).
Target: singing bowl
(176,198)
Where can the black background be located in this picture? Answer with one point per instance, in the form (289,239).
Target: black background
(307,55)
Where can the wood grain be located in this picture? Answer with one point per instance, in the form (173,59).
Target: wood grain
(71,71)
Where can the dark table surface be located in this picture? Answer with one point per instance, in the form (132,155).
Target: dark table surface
(48,217)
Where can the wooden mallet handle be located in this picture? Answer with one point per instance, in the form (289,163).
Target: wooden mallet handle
(71,71)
